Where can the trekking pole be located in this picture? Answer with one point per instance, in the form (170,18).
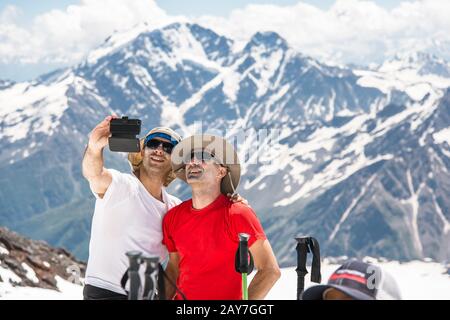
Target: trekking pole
(151,271)
(304,246)
(133,274)
(302,249)
(243,262)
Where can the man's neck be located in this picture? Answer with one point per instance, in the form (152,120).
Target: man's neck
(202,196)
(153,184)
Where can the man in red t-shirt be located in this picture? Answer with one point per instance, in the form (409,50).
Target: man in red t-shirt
(202,234)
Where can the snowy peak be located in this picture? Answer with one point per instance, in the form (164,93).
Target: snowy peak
(216,46)
(193,42)
(29,108)
(266,41)
(5,84)
(114,42)
(421,62)
(183,40)
(418,74)
(156,68)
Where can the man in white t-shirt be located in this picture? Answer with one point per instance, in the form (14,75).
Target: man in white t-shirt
(129,207)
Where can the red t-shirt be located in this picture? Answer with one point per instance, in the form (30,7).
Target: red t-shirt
(206,241)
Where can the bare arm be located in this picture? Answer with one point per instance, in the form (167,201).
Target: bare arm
(172,272)
(99,177)
(268,271)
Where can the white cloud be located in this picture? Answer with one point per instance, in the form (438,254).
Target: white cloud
(350,31)
(67,35)
(9,14)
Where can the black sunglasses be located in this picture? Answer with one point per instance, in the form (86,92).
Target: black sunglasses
(155,143)
(202,156)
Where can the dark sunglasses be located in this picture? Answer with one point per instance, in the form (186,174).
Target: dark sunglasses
(154,144)
(202,156)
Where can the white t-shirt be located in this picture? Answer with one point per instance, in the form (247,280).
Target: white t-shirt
(127,218)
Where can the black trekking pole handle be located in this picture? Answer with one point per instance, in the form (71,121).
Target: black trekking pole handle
(306,245)
(302,250)
(243,252)
(243,262)
(151,271)
(133,274)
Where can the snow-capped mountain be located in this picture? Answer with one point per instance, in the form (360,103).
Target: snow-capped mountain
(416,73)
(5,84)
(362,162)
(422,63)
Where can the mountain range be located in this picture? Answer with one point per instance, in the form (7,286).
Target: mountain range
(361,160)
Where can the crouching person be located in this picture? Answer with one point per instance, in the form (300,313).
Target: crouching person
(356,280)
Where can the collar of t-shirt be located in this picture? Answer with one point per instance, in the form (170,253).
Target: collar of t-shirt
(163,203)
(219,202)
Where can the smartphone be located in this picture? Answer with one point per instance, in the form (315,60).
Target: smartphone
(124,133)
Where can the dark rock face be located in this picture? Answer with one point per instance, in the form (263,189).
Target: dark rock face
(24,257)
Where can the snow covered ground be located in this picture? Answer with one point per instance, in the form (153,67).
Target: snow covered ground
(418,280)
(68,290)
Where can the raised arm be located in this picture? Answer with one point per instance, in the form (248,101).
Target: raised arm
(93,170)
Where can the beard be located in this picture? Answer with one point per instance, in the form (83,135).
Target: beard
(162,168)
(196,175)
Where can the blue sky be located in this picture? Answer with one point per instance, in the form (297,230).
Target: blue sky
(198,7)
(31,9)
(352,31)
